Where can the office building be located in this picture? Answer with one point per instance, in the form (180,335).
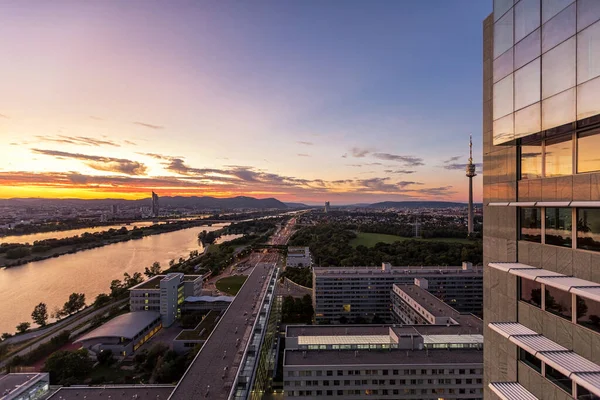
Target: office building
(425,362)
(362,294)
(414,305)
(298,257)
(155,208)
(165,294)
(24,386)
(104,392)
(541,196)
(327,207)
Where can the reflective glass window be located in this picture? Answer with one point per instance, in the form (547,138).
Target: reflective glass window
(503,34)
(503,65)
(504,130)
(559,28)
(558,226)
(530,292)
(527,49)
(588,53)
(531,224)
(558,69)
(559,379)
(588,151)
(588,228)
(503,97)
(530,360)
(531,161)
(559,109)
(552,7)
(527,18)
(501,6)
(588,313)
(558,302)
(528,120)
(558,156)
(588,12)
(527,84)
(588,101)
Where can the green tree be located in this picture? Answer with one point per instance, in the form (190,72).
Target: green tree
(68,367)
(6,335)
(105,357)
(40,314)
(101,300)
(75,303)
(117,289)
(154,270)
(23,327)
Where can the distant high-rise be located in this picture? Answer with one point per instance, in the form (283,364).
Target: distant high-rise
(470,174)
(155,208)
(327,207)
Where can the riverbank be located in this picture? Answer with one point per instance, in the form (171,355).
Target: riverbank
(52,248)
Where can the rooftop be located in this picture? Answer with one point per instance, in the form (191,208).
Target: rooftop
(126,325)
(10,382)
(203,330)
(154,282)
(379,357)
(429,302)
(350,339)
(409,270)
(209,299)
(138,392)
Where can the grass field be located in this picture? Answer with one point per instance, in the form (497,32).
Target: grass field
(371,239)
(231,285)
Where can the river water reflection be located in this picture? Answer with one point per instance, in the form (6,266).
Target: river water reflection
(91,271)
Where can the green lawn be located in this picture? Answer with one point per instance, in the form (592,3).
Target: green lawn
(371,239)
(231,285)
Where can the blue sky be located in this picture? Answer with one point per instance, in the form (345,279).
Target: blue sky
(347,101)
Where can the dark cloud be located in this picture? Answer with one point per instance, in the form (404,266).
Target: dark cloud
(156,156)
(305,143)
(344,155)
(99,163)
(375,163)
(460,167)
(149,125)
(359,152)
(355,165)
(303,155)
(409,161)
(452,159)
(407,183)
(77,140)
(130,142)
(436,191)
(399,171)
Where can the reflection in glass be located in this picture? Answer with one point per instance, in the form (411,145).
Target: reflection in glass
(588,228)
(559,157)
(558,69)
(552,7)
(588,53)
(501,6)
(527,84)
(588,101)
(530,292)
(528,120)
(503,65)
(503,34)
(527,49)
(527,18)
(588,154)
(504,130)
(559,109)
(530,360)
(588,12)
(588,313)
(558,226)
(531,161)
(559,28)
(503,97)
(558,302)
(531,224)
(559,379)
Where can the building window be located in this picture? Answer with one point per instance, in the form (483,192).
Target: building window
(559,379)
(588,313)
(530,292)
(588,144)
(531,160)
(584,394)
(531,224)
(530,360)
(559,156)
(558,302)
(558,227)
(588,228)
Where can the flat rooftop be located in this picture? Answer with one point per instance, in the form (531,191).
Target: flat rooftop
(429,302)
(209,365)
(123,326)
(10,382)
(138,392)
(154,282)
(203,330)
(294,358)
(396,271)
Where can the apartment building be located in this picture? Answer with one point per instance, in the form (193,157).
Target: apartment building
(360,294)
(412,304)
(298,257)
(541,196)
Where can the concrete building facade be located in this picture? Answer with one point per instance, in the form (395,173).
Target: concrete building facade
(298,257)
(347,294)
(541,196)
(413,305)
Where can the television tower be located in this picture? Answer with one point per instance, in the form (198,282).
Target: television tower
(470,174)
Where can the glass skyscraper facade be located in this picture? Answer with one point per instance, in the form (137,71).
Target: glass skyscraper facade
(541,139)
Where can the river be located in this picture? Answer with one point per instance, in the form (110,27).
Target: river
(52,281)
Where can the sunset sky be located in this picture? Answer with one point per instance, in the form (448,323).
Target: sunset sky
(340,100)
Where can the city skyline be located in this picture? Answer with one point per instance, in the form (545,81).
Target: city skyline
(303,102)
